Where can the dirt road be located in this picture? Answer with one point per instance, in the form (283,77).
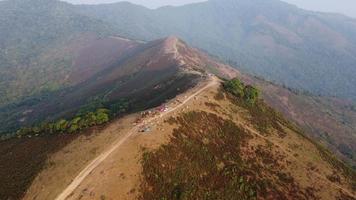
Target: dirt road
(97,161)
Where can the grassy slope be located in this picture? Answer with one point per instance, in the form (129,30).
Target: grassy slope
(122,80)
(221,148)
(227,150)
(38,62)
(26,157)
(330,121)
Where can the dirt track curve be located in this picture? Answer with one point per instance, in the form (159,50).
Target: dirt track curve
(98,160)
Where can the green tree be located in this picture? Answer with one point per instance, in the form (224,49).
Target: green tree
(23,131)
(61,125)
(235,87)
(36,130)
(73,128)
(74,125)
(89,119)
(119,107)
(102,116)
(251,94)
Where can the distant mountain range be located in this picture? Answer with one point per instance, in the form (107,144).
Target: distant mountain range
(134,75)
(301,49)
(71,69)
(48,47)
(54,52)
(305,50)
(38,40)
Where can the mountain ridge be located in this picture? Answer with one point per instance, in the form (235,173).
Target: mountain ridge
(277,153)
(168,67)
(291,46)
(75,82)
(151,62)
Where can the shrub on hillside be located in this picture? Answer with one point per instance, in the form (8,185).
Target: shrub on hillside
(235,87)
(249,93)
(80,122)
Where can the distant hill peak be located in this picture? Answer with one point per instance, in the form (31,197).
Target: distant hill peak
(170,46)
(172,49)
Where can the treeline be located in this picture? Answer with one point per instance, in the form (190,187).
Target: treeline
(78,123)
(247,92)
(84,119)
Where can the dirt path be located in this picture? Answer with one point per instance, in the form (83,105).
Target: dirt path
(97,161)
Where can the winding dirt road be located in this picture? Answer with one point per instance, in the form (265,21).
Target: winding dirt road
(97,161)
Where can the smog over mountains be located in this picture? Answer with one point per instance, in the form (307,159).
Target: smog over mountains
(346,7)
(217,99)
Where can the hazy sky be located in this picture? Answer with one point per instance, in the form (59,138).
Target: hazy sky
(347,7)
(147,3)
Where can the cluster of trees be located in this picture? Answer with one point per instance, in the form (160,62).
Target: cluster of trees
(119,107)
(247,92)
(100,116)
(94,113)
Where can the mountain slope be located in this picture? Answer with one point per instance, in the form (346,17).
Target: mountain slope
(213,145)
(297,48)
(39,66)
(148,74)
(330,121)
(144,75)
(38,40)
(66,72)
(220,146)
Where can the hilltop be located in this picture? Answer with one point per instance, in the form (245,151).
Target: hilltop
(136,74)
(144,76)
(53,49)
(271,39)
(88,113)
(208,144)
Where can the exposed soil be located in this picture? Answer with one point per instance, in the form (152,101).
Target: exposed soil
(291,164)
(70,160)
(68,163)
(277,162)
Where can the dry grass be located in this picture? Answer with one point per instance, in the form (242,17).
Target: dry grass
(203,161)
